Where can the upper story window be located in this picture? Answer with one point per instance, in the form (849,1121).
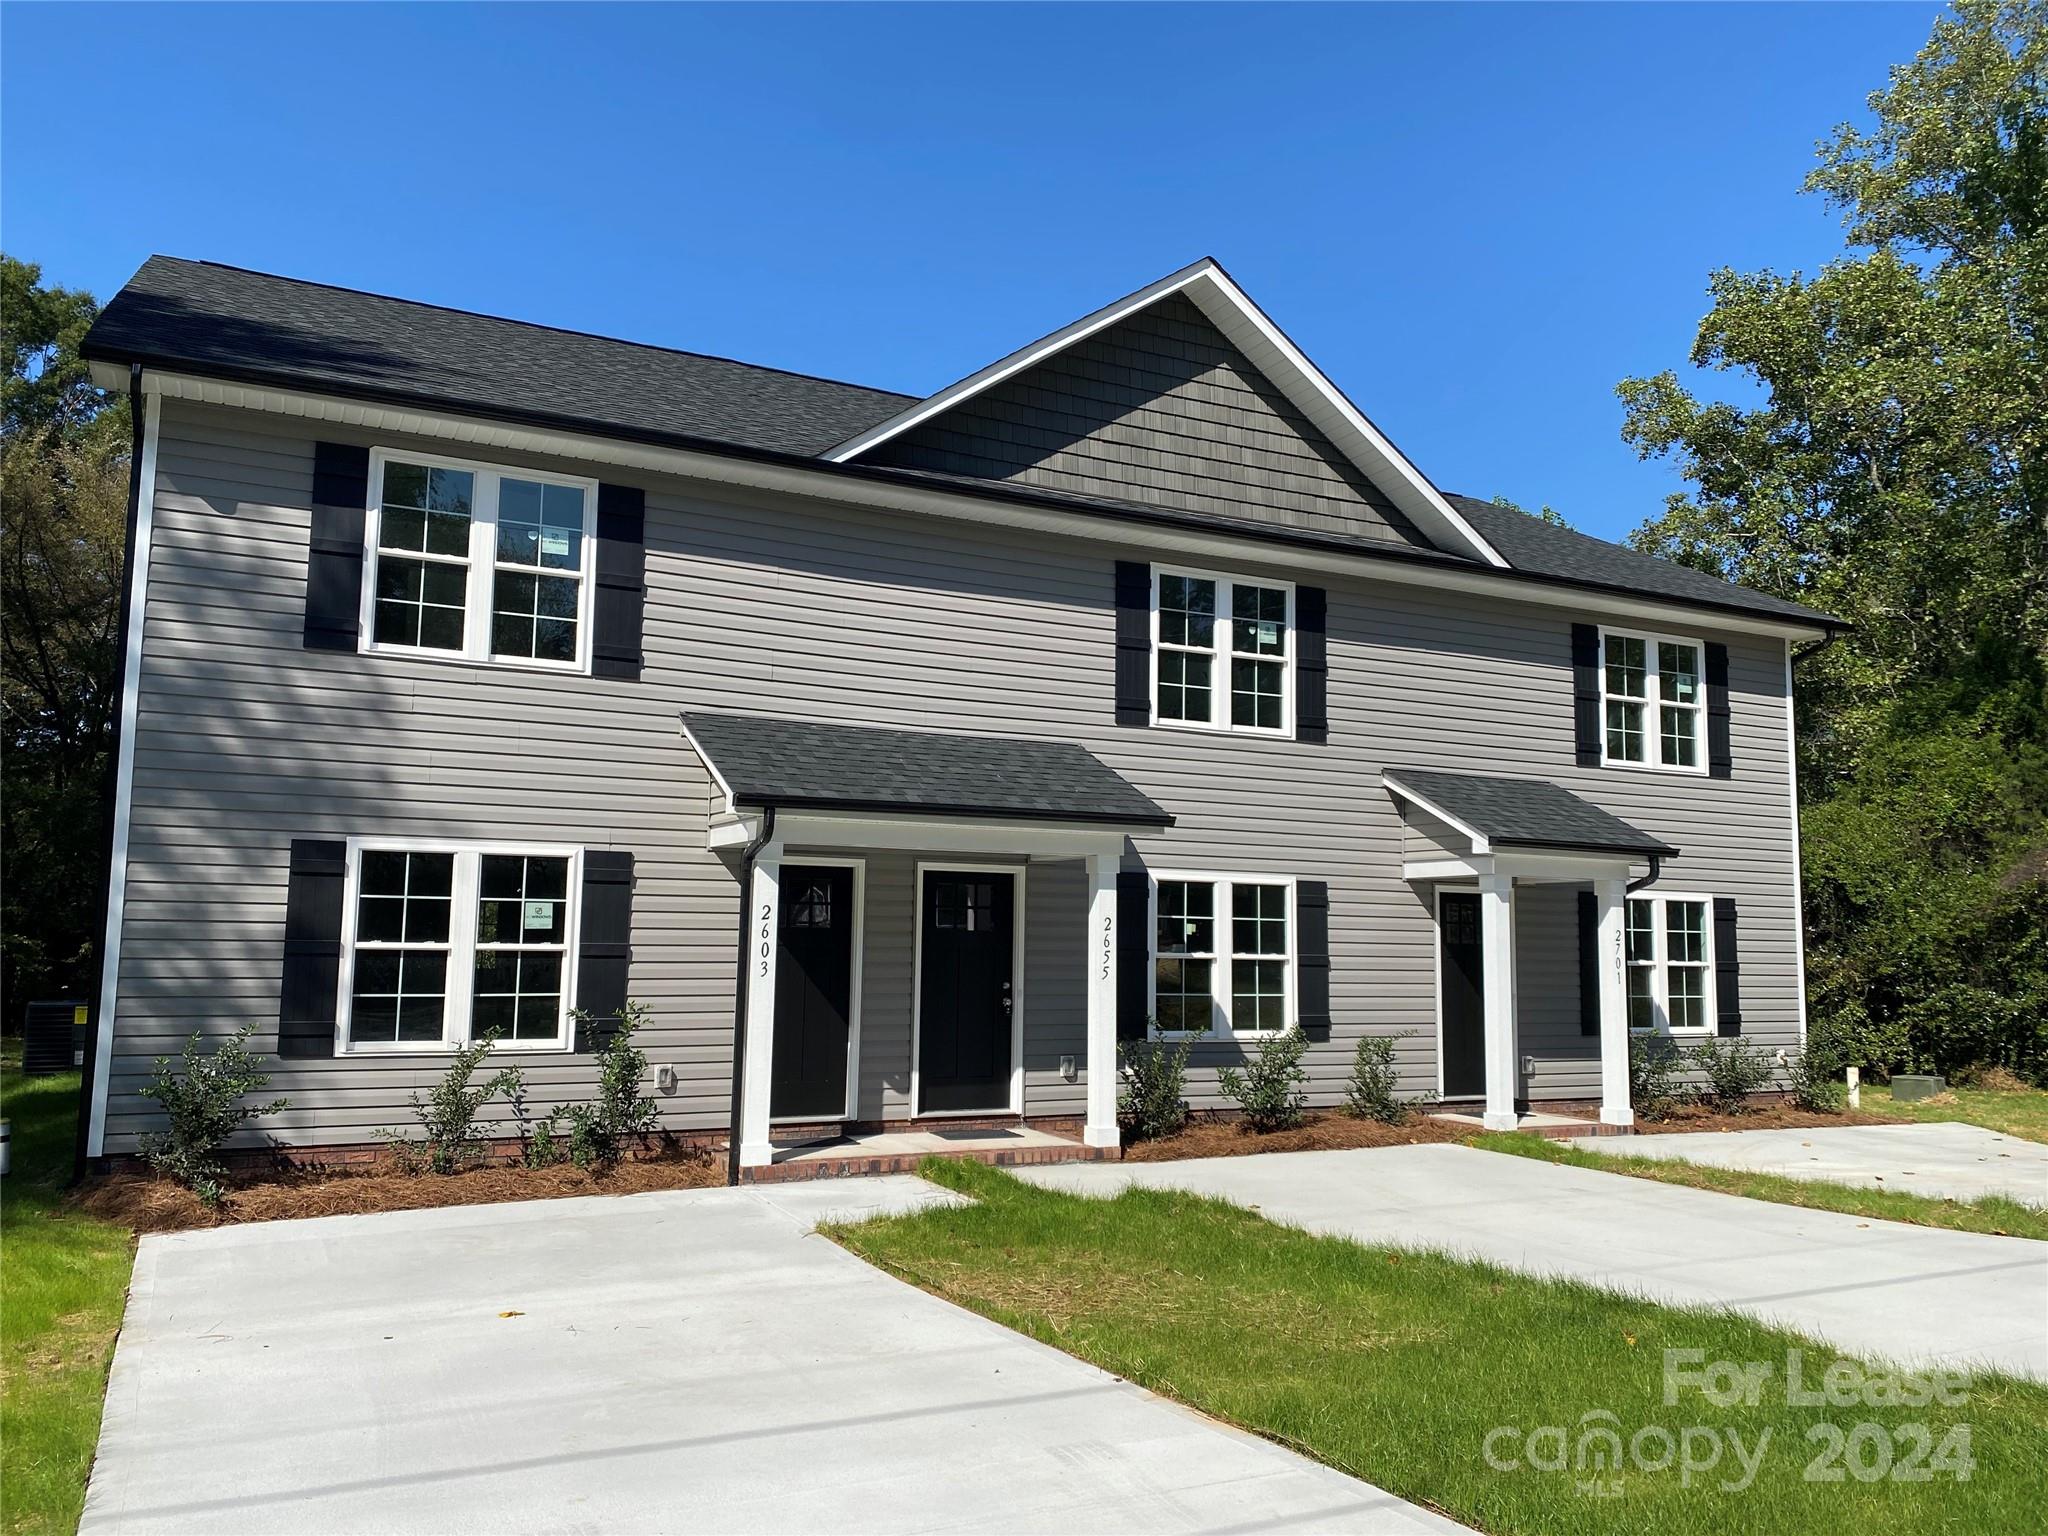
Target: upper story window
(1222,954)
(1670,964)
(1222,652)
(447,942)
(479,563)
(1652,701)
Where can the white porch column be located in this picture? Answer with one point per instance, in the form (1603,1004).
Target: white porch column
(1101,1128)
(1497,948)
(758,1069)
(1610,898)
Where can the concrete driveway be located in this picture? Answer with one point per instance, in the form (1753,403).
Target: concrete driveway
(1956,1162)
(1912,1294)
(686,1361)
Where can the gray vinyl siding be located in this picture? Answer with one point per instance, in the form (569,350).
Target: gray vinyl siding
(245,740)
(1160,408)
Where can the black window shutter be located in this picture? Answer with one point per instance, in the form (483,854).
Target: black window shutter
(334,552)
(1312,956)
(620,567)
(1133,953)
(1720,752)
(1311,665)
(1133,643)
(1727,969)
(1589,964)
(1586,693)
(311,985)
(604,942)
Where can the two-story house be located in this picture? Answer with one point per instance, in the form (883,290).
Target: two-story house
(900,755)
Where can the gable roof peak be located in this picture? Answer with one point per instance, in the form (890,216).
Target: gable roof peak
(1231,311)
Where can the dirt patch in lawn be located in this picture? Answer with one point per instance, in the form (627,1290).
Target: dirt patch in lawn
(1322,1133)
(1699,1117)
(151,1204)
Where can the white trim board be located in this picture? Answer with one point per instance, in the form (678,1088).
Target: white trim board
(1196,545)
(1231,310)
(124,772)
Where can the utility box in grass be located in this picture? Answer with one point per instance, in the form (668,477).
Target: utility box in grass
(1906,1089)
(53,1037)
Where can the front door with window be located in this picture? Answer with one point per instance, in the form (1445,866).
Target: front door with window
(1462,987)
(965,991)
(813,992)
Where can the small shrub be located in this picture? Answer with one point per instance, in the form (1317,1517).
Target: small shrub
(448,1116)
(1816,1078)
(539,1140)
(1370,1095)
(1734,1069)
(203,1099)
(1152,1077)
(1268,1090)
(1653,1088)
(598,1131)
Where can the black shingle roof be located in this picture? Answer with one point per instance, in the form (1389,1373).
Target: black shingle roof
(802,764)
(197,315)
(1524,813)
(1530,544)
(254,327)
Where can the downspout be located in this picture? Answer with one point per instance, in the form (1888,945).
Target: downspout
(739,1018)
(110,789)
(1656,865)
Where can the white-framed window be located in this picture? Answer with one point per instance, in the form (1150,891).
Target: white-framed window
(478,563)
(1222,652)
(1652,701)
(1670,962)
(444,942)
(1222,954)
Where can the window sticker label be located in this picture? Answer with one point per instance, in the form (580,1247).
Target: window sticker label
(540,914)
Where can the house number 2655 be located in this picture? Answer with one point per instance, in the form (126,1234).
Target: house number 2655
(1108,942)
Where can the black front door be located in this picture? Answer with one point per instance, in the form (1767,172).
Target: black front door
(813,991)
(1462,986)
(963,998)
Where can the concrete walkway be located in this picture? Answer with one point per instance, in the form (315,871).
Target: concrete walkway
(683,1361)
(1912,1294)
(1951,1161)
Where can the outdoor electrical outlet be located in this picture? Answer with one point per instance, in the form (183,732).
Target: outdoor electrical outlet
(1067,1068)
(665,1079)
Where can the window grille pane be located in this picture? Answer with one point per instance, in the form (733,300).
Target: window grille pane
(1258,994)
(1678,673)
(1681,737)
(399,993)
(1626,665)
(1187,611)
(1642,932)
(1255,697)
(1642,1008)
(1258,620)
(1685,931)
(1184,686)
(1688,993)
(1187,918)
(1625,732)
(1183,1000)
(1259,919)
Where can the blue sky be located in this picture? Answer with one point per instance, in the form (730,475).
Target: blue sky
(1476,219)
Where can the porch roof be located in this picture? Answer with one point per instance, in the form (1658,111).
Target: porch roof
(1519,813)
(760,761)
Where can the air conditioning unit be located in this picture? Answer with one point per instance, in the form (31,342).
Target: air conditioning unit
(53,1038)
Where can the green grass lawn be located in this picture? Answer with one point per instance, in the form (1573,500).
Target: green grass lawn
(1992,1213)
(2021,1112)
(63,1278)
(1395,1366)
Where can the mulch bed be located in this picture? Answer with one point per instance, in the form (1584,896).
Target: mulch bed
(1322,1133)
(1698,1117)
(151,1204)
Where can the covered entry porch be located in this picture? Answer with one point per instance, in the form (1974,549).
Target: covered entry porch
(1499,861)
(927,941)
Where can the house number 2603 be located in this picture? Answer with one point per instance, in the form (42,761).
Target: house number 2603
(767,934)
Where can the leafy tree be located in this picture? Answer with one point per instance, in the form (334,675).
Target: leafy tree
(1895,472)
(1549,514)
(63,518)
